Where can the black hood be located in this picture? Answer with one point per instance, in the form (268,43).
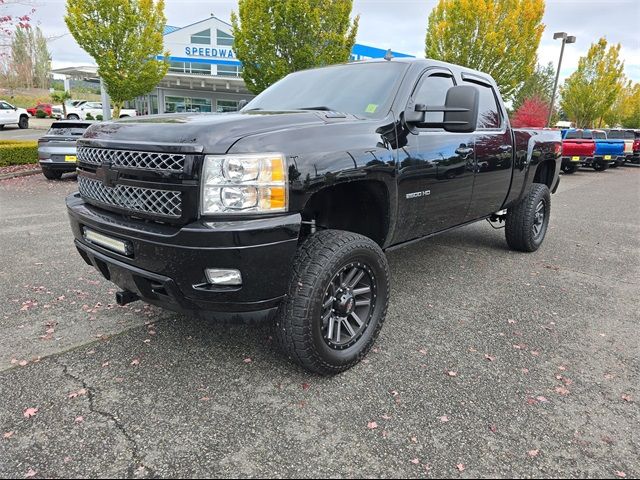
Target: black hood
(199,132)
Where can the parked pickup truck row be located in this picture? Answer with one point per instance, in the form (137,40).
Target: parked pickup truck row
(590,148)
(284,210)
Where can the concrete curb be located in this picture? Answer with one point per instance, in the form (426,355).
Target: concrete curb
(24,173)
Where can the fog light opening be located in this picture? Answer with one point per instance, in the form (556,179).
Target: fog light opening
(220,276)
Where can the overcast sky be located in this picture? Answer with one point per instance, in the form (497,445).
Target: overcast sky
(401,25)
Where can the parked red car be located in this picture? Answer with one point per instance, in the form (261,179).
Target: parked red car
(45,107)
(576,149)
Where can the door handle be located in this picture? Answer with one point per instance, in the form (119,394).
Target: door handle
(505,148)
(464,151)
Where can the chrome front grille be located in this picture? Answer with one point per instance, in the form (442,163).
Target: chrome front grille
(163,203)
(169,162)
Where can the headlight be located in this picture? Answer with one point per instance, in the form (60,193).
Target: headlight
(245,183)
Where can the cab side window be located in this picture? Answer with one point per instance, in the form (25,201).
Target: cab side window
(432,91)
(489,116)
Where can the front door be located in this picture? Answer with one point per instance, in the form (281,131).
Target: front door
(435,168)
(7,114)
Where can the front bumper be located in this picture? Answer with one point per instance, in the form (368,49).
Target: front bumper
(166,264)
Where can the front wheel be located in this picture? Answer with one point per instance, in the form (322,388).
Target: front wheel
(23,122)
(73,116)
(528,220)
(337,301)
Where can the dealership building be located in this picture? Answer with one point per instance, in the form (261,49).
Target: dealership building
(204,74)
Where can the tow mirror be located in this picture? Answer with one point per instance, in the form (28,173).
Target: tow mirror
(460,111)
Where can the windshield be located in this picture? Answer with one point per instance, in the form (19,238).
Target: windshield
(599,135)
(363,89)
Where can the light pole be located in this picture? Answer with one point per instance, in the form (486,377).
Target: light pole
(565,39)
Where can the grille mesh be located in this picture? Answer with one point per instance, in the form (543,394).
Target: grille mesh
(165,203)
(172,162)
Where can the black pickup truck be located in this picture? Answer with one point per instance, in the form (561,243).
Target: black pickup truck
(284,209)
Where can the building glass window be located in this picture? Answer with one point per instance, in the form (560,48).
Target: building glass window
(202,38)
(187,104)
(200,68)
(176,67)
(224,38)
(226,106)
(229,70)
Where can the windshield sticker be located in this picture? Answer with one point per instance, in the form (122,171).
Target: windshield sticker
(371,108)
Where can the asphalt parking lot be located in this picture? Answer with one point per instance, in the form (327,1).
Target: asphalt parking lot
(491,363)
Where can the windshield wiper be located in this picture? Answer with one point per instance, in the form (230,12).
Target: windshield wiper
(321,107)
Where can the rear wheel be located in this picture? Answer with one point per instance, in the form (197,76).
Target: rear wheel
(527,222)
(337,301)
(569,169)
(600,166)
(51,174)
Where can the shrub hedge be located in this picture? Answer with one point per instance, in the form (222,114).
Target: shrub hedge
(18,152)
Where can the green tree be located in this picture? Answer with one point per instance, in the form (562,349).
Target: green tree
(499,37)
(538,85)
(630,117)
(30,60)
(275,38)
(590,92)
(61,96)
(124,37)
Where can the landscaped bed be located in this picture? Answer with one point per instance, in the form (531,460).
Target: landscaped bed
(18,152)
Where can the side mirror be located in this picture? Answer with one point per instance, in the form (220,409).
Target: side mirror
(242,103)
(460,111)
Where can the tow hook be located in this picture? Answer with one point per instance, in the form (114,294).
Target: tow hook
(125,296)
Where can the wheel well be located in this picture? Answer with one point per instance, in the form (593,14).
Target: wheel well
(545,173)
(361,207)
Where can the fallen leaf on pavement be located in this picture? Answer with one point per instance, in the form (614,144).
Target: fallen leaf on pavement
(30,473)
(306,386)
(627,398)
(460,467)
(30,412)
(135,361)
(533,453)
(620,474)
(79,419)
(247,360)
(372,425)
(562,391)
(415,461)
(489,357)
(82,391)
(451,373)
(7,434)
(414,440)
(444,419)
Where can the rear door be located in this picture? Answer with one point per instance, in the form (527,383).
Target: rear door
(493,152)
(435,168)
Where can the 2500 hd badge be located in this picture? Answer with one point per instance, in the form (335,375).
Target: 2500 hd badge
(283,211)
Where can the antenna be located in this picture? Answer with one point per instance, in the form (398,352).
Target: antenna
(389,55)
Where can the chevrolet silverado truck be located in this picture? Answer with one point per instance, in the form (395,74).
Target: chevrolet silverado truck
(576,149)
(284,210)
(608,152)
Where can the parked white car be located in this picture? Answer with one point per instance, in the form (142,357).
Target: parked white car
(94,108)
(10,115)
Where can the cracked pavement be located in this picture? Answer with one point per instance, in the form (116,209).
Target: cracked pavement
(491,363)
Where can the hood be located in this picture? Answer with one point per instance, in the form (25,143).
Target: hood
(200,132)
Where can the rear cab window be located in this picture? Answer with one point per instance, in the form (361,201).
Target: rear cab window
(68,129)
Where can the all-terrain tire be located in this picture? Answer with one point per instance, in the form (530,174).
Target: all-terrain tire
(600,167)
(23,122)
(301,323)
(569,169)
(526,223)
